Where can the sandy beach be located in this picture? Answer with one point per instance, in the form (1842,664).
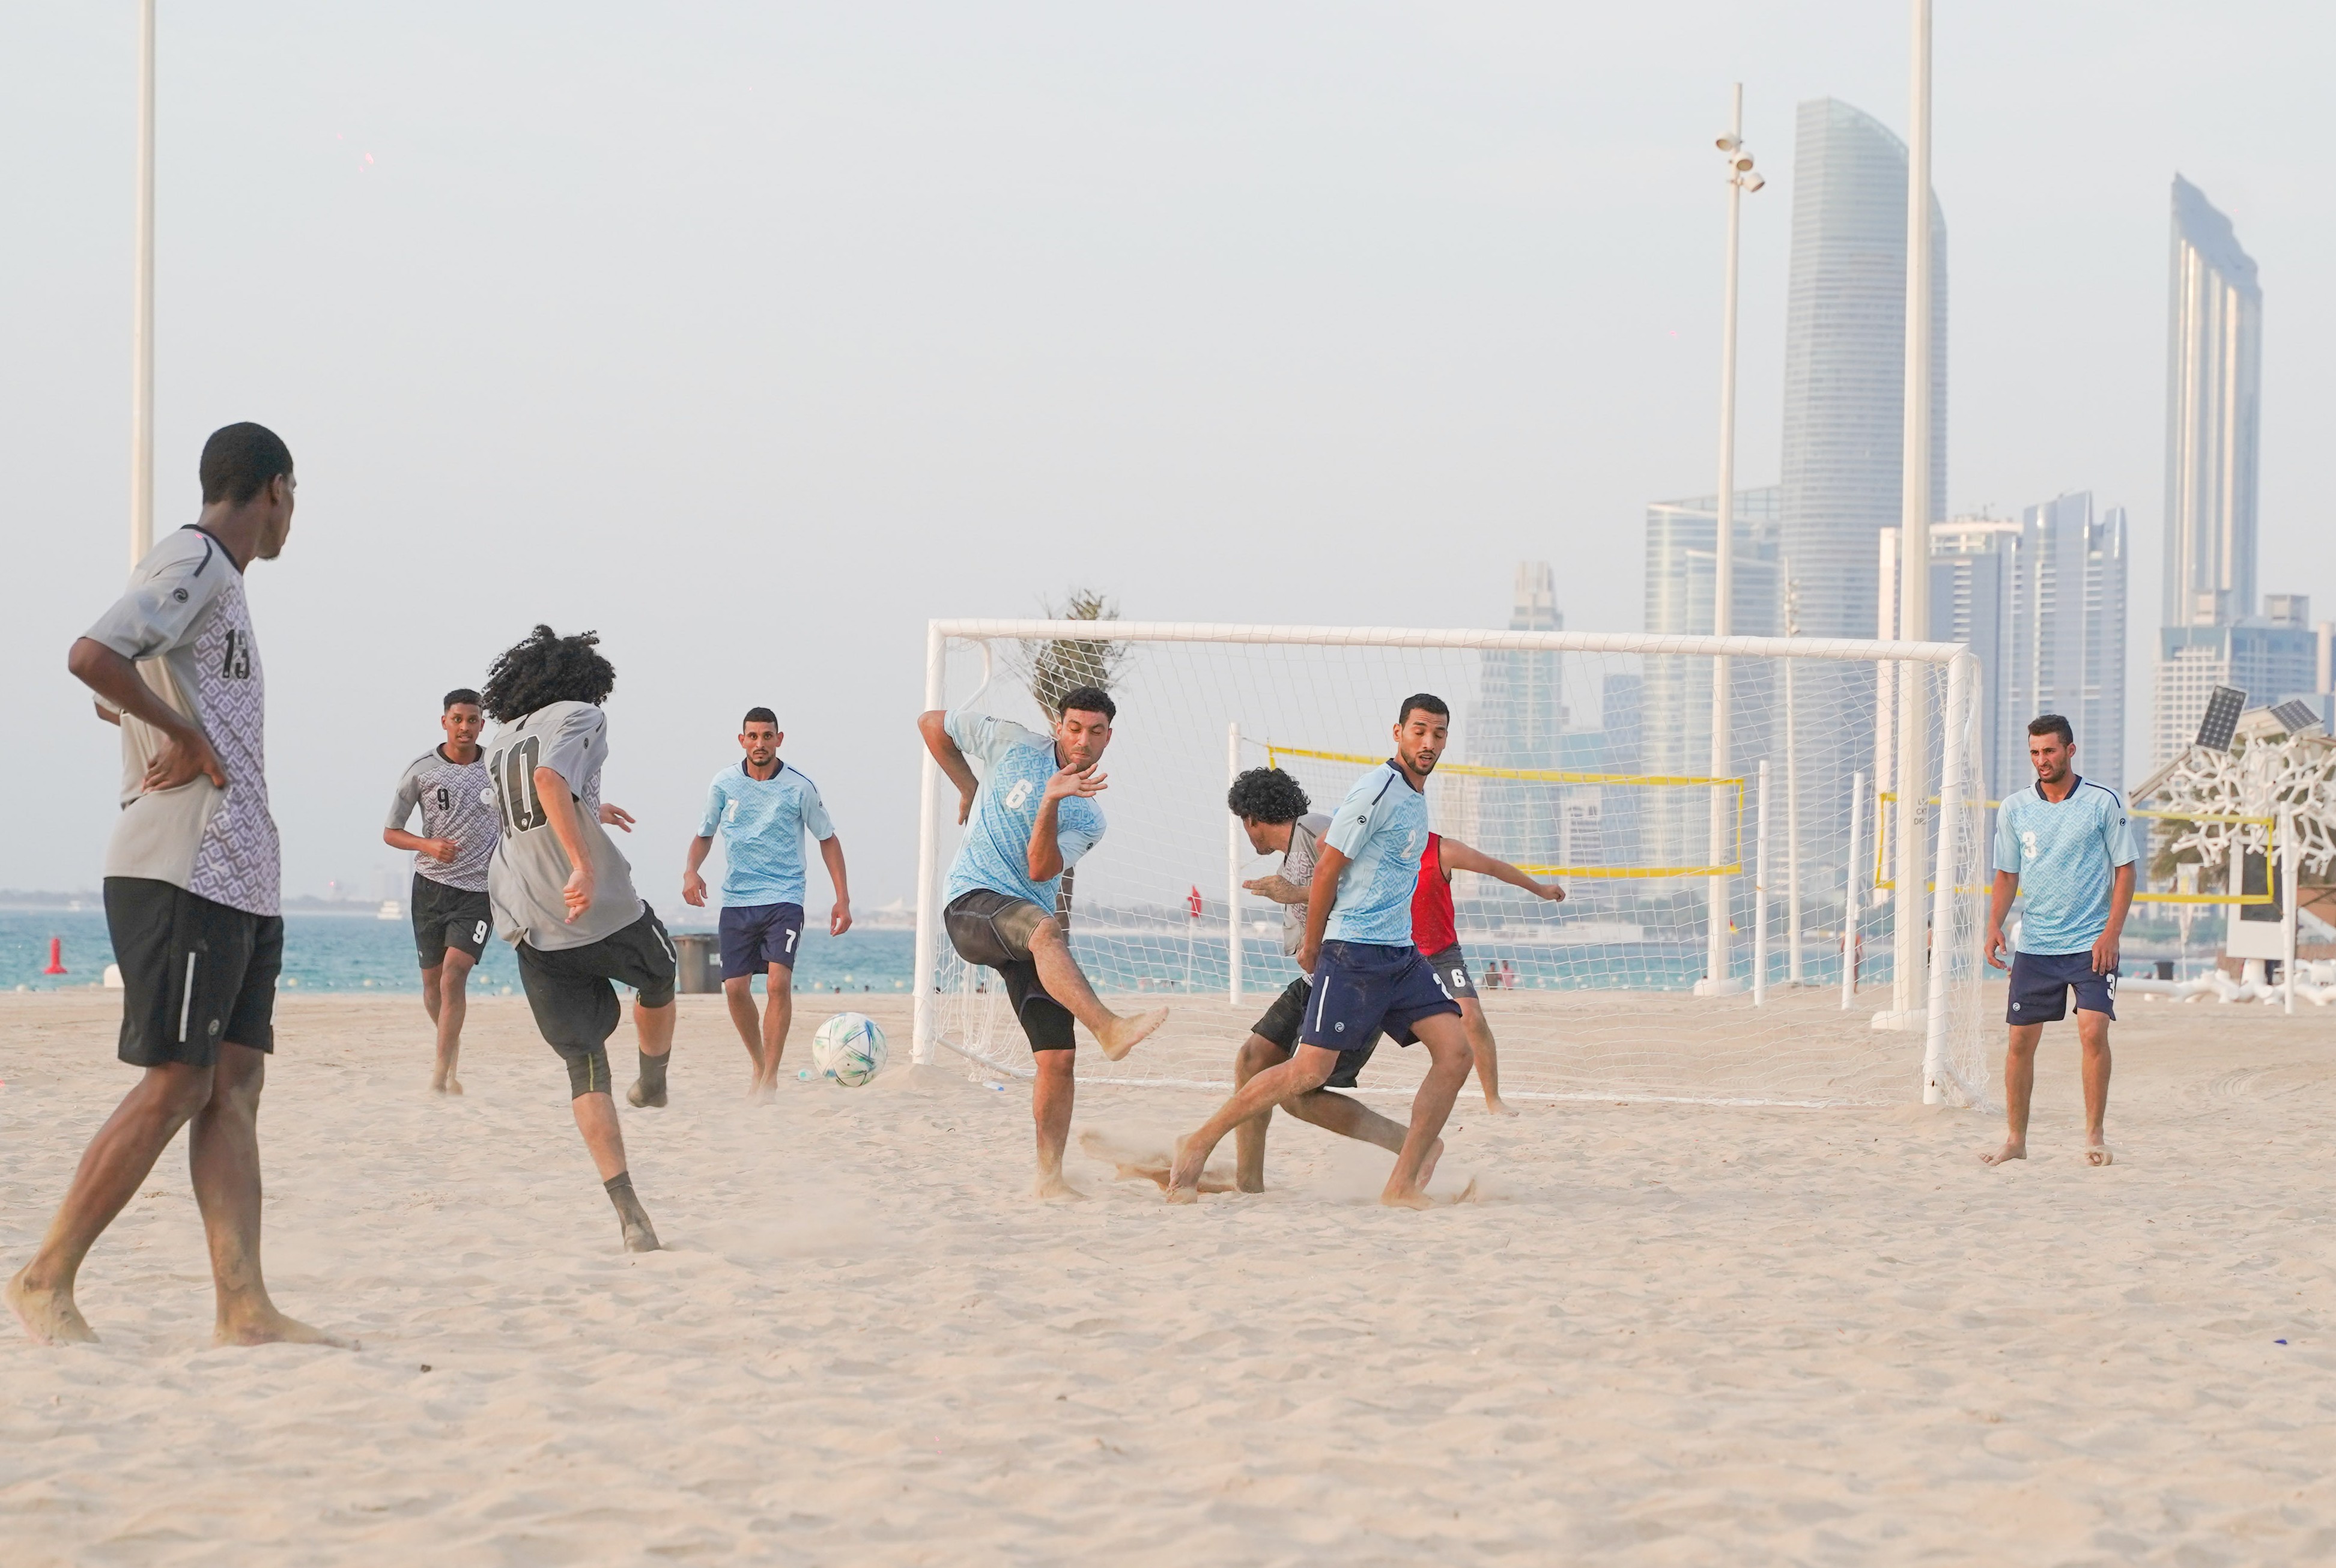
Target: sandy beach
(1667,1334)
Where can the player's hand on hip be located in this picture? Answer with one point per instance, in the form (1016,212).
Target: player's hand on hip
(838,919)
(577,894)
(2105,954)
(1996,945)
(183,757)
(964,806)
(1074,781)
(616,817)
(693,890)
(442,851)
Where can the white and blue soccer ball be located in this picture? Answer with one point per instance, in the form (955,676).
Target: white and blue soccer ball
(849,1049)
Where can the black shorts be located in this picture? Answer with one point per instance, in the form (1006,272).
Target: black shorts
(193,973)
(1451,967)
(756,936)
(993,929)
(569,990)
(2040,984)
(1282,1021)
(446,917)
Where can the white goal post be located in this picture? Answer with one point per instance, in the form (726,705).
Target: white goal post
(1301,696)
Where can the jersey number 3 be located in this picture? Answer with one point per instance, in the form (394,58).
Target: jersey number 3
(515,794)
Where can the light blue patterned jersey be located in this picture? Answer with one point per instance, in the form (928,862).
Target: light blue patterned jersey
(1015,764)
(763,822)
(2066,856)
(1381,827)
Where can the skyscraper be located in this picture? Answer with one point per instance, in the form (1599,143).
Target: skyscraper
(1846,362)
(2214,393)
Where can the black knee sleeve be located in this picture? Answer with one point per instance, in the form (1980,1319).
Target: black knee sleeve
(588,1072)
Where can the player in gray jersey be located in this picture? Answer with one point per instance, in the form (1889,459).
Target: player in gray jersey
(563,897)
(191,891)
(448,786)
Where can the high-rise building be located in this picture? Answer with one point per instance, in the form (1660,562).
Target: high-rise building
(2041,603)
(1846,362)
(1682,576)
(1522,712)
(2213,418)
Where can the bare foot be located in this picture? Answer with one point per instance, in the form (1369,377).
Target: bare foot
(267,1326)
(639,1096)
(2097,1153)
(1134,1165)
(448,1085)
(1123,1034)
(50,1316)
(1184,1183)
(762,1091)
(1498,1107)
(1427,1165)
(2010,1151)
(1053,1189)
(1407,1198)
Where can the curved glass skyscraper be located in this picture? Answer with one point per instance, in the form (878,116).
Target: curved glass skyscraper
(2214,388)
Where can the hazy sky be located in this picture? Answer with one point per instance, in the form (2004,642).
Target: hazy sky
(754,335)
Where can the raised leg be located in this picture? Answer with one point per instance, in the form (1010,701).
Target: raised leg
(451,1003)
(223,1158)
(1449,1059)
(2093,1033)
(112,1169)
(2019,1088)
(1060,974)
(1050,1109)
(1488,1060)
(738,995)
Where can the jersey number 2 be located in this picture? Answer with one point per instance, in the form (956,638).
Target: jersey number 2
(522,809)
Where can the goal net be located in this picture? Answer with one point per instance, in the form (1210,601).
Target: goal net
(1724,935)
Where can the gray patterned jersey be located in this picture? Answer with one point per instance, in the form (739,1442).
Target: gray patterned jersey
(455,803)
(186,622)
(530,869)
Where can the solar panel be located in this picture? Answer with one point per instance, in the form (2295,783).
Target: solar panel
(2297,716)
(2222,717)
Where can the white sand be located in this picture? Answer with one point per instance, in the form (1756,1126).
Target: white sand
(1673,1335)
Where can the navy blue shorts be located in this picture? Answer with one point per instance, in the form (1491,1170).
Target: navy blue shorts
(756,936)
(1363,988)
(2040,983)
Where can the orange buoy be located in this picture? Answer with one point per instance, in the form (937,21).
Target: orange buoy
(57,957)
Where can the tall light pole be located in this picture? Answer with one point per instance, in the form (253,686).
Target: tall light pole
(1911,947)
(1717,981)
(142,313)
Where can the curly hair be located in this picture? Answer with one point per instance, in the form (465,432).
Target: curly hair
(544,670)
(1267,794)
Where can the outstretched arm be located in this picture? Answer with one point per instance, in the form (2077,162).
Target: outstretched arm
(838,919)
(1459,857)
(934,728)
(1280,889)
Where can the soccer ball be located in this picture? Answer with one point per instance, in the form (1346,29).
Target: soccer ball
(848,1048)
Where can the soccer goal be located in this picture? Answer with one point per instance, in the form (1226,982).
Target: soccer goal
(1725,935)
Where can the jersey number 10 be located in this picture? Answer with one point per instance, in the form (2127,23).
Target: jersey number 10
(522,807)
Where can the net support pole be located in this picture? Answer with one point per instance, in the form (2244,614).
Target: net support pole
(1908,990)
(1760,895)
(1716,962)
(1849,892)
(2290,903)
(141,307)
(1954,751)
(926,1030)
(1793,971)
(1233,871)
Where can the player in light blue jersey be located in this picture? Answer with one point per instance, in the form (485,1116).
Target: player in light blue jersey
(1029,816)
(2064,847)
(1368,976)
(763,808)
